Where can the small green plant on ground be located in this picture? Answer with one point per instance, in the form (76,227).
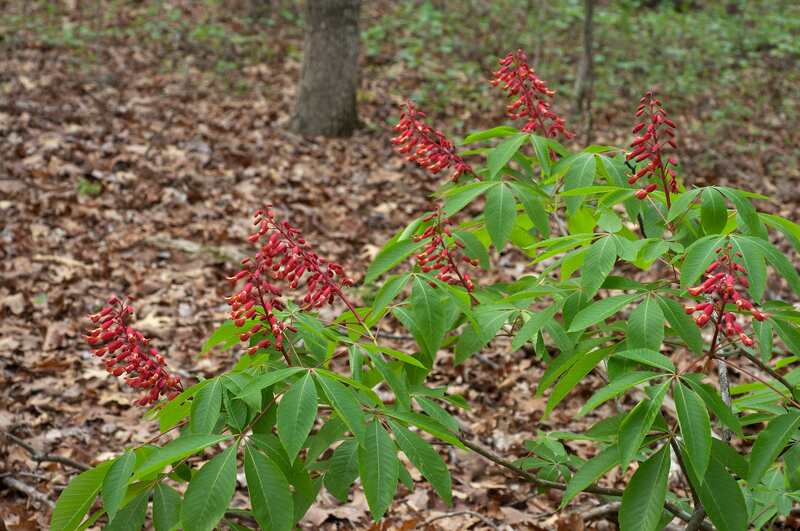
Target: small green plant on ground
(660,289)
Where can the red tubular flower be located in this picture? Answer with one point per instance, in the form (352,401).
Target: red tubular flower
(656,133)
(724,277)
(283,255)
(521,83)
(427,146)
(442,252)
(126,351)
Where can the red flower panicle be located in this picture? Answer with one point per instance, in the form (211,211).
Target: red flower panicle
(520,82)
(126,351)
(657,132)
(426,146)
(442,255)
(283,255)
(723,278)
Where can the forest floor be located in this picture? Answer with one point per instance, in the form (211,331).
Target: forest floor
(124,177)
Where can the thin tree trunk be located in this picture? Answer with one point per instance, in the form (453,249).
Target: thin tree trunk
(326,101)
(584,82)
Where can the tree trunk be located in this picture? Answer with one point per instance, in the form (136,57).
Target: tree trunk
(326,99)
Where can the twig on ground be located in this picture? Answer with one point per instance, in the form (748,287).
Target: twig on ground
(486,520)
(592,489)
(40,457)
(601,512)
(29,491)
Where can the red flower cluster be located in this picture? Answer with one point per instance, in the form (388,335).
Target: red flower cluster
(649,146)
(723,277)
(425,145)
(126,352)
(441,255)
(283,255)
(521,82)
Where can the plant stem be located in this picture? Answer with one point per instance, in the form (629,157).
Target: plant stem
(592,489)
(725,391)
(767,369)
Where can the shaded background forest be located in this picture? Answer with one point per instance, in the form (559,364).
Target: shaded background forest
(137,136)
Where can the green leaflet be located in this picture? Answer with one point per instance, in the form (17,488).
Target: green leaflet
(500,214)
(378,468)
(695,427)
(637,423)
(771,442)
(699,256)
(590,472)
(270,495)
(166,507)
(597,265)
(682,324)
(426,459)
(115,484)
(600,310)
(297,412)
(209,492)
(77,498)
(343,469)
(646,325)
(643,500)
(206,407)
(500,155)
(345,404)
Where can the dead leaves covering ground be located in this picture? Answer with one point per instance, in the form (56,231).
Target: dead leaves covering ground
(180,163)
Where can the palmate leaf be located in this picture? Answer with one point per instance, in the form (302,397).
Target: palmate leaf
(580,172)
(643,500)
(714,402)
(388,257)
